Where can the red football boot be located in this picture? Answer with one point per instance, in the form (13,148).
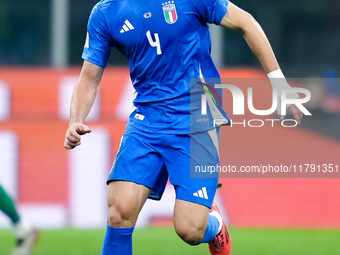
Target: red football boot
(221,245)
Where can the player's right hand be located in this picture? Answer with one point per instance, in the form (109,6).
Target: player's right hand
(73,135)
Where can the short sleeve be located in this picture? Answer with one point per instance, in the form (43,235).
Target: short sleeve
(211,11)
(98,43)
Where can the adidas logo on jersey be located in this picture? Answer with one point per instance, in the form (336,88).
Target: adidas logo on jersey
(202,193)
(126,27)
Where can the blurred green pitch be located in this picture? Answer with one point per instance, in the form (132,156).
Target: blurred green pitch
(164,241)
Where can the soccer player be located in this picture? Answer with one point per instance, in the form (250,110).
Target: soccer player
(167,43)
(24,232)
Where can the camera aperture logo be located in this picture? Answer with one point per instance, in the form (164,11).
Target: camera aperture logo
(204,97)
(282,98)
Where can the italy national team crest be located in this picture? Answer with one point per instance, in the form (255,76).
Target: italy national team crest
(169,10)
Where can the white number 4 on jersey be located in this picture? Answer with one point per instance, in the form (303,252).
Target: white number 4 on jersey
(154,43)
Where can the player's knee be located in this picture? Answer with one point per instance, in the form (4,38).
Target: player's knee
(190,233)
(122,216)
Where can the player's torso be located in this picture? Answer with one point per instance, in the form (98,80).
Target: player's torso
(166,43)
(156,35)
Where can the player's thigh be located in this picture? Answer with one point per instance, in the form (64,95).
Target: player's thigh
(125,200)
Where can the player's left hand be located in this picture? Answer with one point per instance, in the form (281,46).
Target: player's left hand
(279,82)
(297,113)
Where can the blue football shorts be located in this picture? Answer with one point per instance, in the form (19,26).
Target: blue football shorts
(151,159)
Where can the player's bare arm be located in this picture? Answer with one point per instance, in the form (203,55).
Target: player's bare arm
(83,97)
(242,21)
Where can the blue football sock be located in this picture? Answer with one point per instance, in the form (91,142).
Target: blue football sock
(117,241)
(211,230)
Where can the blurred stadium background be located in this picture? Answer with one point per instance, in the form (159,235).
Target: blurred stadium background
(41,43)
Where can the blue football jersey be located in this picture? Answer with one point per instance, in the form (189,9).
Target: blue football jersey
(167,44)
